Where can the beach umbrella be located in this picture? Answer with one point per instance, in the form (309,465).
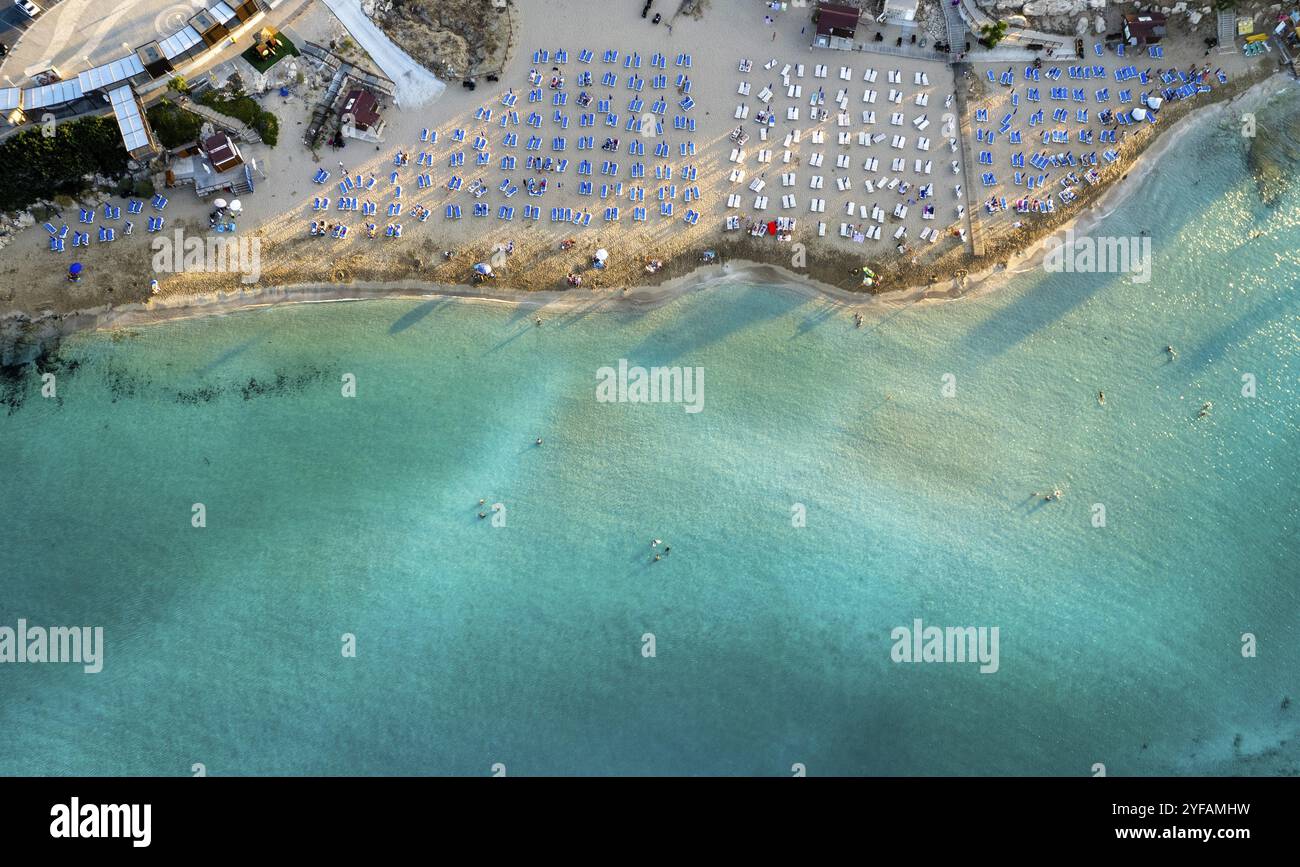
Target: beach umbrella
(1154,102)
(74,269)
(236,206)
(1139,114)
(602,254)
(219,203)
(483,268)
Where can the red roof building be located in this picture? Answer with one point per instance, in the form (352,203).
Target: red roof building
(361,108)
(222,152)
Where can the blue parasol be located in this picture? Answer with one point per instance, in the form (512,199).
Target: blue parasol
(74,268)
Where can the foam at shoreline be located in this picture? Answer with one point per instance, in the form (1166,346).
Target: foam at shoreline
(182,307)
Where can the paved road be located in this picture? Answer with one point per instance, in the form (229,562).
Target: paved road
(13,22)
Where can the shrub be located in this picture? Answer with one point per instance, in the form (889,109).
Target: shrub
(173,125)
(42,167)
(243,107)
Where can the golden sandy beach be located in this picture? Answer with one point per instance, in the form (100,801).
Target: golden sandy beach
(801,155)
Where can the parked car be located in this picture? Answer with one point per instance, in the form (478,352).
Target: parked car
(28,8)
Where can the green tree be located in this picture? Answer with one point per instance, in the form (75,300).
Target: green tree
(41,167)
(992,34)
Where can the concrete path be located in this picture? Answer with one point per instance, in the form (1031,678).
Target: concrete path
(415,84)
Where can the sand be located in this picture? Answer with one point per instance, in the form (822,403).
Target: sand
(278,213)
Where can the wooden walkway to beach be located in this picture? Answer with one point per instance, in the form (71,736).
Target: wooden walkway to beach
(959,84)
(235,126)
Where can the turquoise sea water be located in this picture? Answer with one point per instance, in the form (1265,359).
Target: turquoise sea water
(522,644)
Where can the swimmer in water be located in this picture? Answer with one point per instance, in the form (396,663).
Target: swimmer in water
(657,558)
(1172,353)
(482,515)
(1205,410)
(656,543)
(1101,398)
(539,441)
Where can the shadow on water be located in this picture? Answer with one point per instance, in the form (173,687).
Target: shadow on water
(230,353)
(817,317)
(698,325)
(1240,329)
(1032,310)
(415,315)
(520,330)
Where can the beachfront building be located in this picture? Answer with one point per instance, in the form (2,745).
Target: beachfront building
(1145,28)
(216,165)
(11,105)
(125,70)
(248,8)
(57,98)
(137,137)
(183,46)
(210,30)
(222,151)
(900,12)
(359,116)
(835,26)
(154,61)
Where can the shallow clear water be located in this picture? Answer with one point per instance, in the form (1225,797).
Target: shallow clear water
(522,644)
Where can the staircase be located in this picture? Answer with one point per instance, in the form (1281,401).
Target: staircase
(1228,32)
(236,127)
(957,31)
(241,187)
